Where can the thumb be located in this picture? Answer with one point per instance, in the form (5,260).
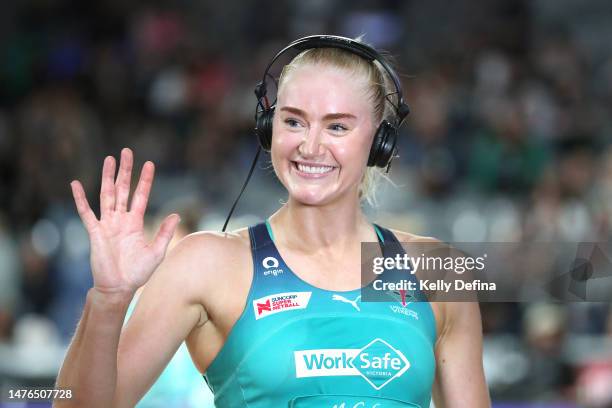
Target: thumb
(165,233)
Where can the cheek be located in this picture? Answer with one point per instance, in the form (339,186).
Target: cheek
(353,152)
(282,145)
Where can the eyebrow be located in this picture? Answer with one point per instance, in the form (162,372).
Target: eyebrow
(329,116)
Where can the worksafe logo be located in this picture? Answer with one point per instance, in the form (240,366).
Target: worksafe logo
(378,363)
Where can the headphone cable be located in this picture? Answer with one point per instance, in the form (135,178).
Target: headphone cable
(243,187)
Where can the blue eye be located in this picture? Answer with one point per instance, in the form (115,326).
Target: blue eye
(337,127)
(291,122)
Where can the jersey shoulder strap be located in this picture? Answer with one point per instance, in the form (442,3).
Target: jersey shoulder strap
(391,248)
(270,273)
(260,236)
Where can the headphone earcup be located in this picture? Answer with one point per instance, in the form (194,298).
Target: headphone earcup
(383,145)
(263,128)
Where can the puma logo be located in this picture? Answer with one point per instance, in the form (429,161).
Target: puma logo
(345,300)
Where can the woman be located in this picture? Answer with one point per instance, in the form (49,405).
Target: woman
(263,333)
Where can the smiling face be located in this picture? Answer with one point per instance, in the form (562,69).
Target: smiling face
(322,132)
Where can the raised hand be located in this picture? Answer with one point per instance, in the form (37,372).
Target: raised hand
(121,258)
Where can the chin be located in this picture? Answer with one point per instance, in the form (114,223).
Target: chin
(309,198)
(315,196)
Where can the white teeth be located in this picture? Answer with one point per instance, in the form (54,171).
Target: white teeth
(314,170)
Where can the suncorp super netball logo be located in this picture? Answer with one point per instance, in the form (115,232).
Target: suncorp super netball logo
(378,363)
(280,302)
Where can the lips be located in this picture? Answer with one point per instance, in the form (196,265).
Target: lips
(312,170)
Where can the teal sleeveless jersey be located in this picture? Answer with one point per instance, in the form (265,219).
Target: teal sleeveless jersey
(296,345)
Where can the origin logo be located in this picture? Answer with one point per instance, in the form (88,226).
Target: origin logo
(270,263)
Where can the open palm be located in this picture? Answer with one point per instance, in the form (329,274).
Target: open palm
(121,257)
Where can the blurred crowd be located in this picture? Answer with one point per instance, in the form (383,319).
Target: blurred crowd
(509,139)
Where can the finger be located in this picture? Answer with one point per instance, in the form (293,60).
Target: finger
(107,191)
(124,176)
(165,233)
(141,195)
(87,215)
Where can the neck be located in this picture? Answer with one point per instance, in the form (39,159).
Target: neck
(332,225)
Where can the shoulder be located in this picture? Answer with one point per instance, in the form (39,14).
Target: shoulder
(199,261)
(209,252)
(210,247)
(403,236)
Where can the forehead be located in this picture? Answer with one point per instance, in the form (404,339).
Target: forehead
(322,89)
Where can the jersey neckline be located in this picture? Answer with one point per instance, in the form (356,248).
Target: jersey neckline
(381,241)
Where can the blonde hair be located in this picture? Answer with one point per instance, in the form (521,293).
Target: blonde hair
(380,87)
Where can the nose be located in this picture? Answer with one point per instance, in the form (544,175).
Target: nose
(311,145)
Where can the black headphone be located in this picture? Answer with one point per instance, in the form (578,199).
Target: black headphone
(384,144)
(383,147)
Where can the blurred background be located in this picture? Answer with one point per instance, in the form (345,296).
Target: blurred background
(509,139)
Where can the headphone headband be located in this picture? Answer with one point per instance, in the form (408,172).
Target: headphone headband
(384,143)
(348,44)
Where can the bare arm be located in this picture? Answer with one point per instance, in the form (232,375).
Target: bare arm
(168,309)
(460,380)
(121,261)
(87,370)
